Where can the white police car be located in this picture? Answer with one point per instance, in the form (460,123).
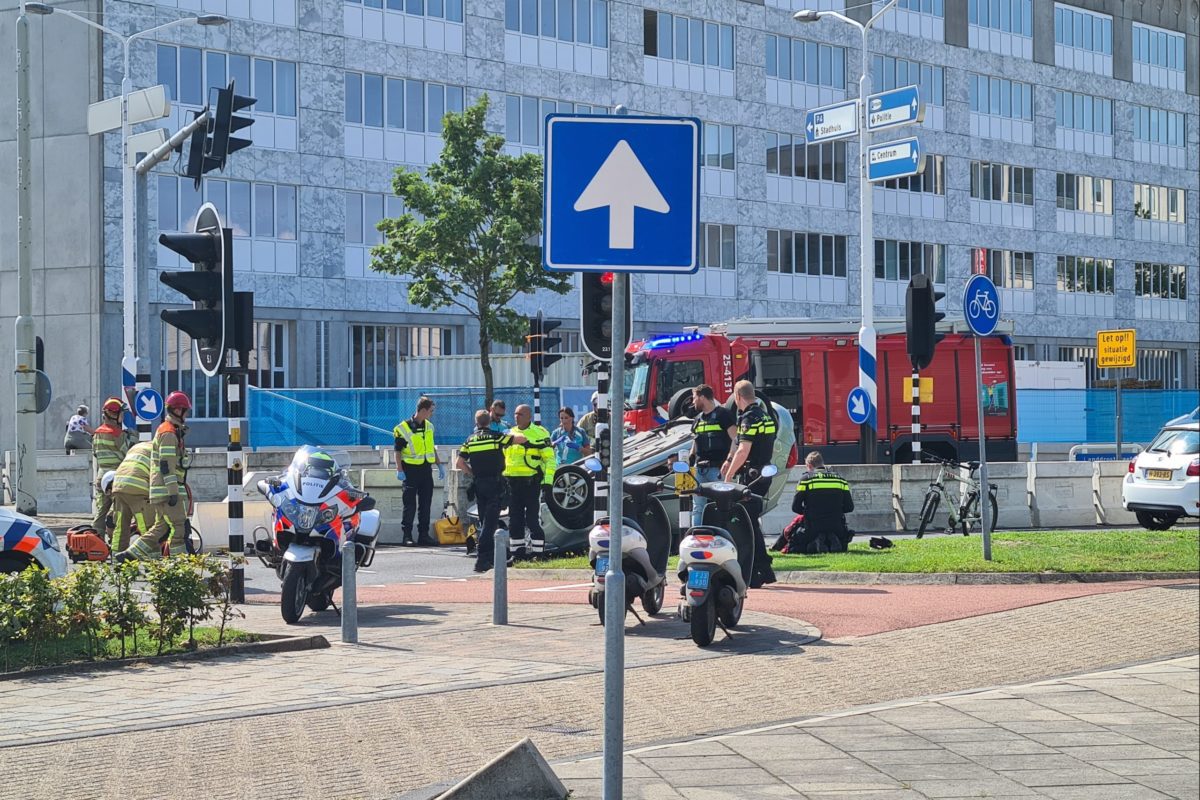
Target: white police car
(24,541)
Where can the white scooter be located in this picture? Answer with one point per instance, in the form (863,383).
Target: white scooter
(716,559)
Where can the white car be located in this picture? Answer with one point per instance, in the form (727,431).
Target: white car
(25,542)
(1163,483)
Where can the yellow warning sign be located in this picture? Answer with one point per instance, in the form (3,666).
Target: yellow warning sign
(926,389)
(1116,349)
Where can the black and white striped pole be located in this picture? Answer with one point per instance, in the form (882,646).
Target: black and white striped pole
(600,494)
(235,387)
(916,417)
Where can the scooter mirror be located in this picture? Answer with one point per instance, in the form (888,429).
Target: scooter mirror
(680,466)
(769,471)
(593,465)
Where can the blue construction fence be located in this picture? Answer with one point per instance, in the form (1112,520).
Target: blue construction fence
(1081,416)
(345,417)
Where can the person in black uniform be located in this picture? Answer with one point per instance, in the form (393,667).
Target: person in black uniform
(755,446)
(482,457)
(714,431)
(823,497)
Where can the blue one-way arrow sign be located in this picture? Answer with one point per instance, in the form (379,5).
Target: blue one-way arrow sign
(858,405)
(894,108)
(831,122)
(897,159)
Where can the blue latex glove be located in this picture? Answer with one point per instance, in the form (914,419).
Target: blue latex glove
(400,475)
(441,472)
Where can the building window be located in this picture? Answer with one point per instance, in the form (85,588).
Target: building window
(694,41)
(1083,30)
(1086,275)
(1001,183)
(935,7)
(1158,126)
(580,21)
(190,74)
(813,254)
(416,106)
(718,246)
(449,10)
(524,117)
(717,146)
(374,355)
(1083,112)
(1158,203)
(806,62)
(788,156)
(1000,97)
(899,261)
(322,349)
(1162,281)
(1008,269)
(1158,57)
(932,179)
(893,73)
(1084,193)
(1008,16)
(268,362)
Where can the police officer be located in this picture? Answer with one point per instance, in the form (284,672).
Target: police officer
(109,446)
(415,459)
(529,469)
(713,431)
(482,457)
(168,480)
(823,497)
(755,445)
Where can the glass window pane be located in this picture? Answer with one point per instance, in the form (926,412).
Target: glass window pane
(354,97)
(681,38)
(239,207)
(285,212)
(798,72)
(264,210)
(812,75)
(530,130)
(728,247)
(414,107)
(214,72)
(785,156)
(548,17)
(437,107)
(512,15)
(454,10)
(727,47)
(415,7)
(839,68)
(168,70)
(786,256)
(666,34)
(772,153)
(696,41)
(600,23)
(454,99)
(354,221)
(372,214)
(395,103)
(285,88)
(712,245)
(772,57)
(168,203)
(808,249)
(727,161)
(772,251)
(264,86)
(712,47)
(839,162)
(373,100)
(239,73)
(215,192)
(529,17)
(512,118)
(566,21)
(191,90)
(583,21)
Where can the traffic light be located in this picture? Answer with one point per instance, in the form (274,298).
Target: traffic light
(595,314)
(224,123)
(540,345)
(921,318)
(209,285)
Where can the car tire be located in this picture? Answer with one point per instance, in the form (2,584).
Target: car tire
(1156,520)
(570,500)
(12,563)
(681,405)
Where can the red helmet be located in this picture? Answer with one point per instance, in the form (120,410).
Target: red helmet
(179,400)
(113,405)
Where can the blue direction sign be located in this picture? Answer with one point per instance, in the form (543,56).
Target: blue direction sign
(148,405)
(831,122)
(622,194)
(981,305)
(896,159)
(858,405)
(894,108)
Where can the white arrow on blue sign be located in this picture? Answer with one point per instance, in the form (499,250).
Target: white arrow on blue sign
(981,305)
(831,122)
(621,194)
(147,404)
(894,108)
(858,405)
(896,159)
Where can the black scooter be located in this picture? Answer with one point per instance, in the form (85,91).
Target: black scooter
(646,548)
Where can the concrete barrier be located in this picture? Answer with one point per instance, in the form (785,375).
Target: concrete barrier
(1107,479)
(1061,494)
(909,483)
(1012,496)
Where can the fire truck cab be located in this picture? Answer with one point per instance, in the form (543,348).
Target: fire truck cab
(810,366)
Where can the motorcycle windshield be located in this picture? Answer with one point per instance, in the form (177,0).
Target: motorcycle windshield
(314,475)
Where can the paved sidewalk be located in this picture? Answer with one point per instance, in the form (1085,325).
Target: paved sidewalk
(1124,734)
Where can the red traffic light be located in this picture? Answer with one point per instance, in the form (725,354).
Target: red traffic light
(606,278)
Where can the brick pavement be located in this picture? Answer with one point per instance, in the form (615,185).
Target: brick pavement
(1129,733)
(385,747)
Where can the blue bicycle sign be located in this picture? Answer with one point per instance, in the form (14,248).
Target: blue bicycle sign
(981,305)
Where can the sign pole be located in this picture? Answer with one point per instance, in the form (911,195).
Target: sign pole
(614,580)
(985,497)
(1120,373)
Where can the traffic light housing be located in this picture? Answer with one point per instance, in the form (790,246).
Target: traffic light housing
(540,345)
(221,143)
(209,285)
(921,318)
(595,314)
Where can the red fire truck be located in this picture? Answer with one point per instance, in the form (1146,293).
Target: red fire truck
(810,366)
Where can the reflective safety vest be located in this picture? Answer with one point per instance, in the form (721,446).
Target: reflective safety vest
(484,451)
(418,446)
(133,474)
(168,461)
(757,427)
(533,458)
(108,447)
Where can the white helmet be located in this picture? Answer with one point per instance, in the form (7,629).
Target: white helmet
(595,398)
(106,480)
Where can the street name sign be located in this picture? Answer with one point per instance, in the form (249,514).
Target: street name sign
(831,122)
(621,194)
(897,159)
(1115,349)
(144,105)
(894,108)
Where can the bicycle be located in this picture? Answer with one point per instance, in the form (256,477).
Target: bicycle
(983,305)
(967,512)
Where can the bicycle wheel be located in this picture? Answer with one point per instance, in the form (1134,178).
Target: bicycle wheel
(972,516)
(928,509)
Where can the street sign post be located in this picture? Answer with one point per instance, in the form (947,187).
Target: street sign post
(1117,350)
(148,405)
(858,405)
(981,307)
(622,194)
(897,159)
(895,108)
(831,122)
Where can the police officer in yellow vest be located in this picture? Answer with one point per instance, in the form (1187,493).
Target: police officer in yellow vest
(529,468)
(415,459)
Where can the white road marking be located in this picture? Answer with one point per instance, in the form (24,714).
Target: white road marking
(442,578)
(560,588)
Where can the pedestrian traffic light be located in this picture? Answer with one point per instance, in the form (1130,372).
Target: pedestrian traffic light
(595,315)
(539,345)
(209,285)
(224,123)
(921,318)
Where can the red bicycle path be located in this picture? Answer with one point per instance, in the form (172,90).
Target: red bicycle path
(839,611)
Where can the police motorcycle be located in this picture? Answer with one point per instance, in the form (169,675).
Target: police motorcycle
(645,546)
(716,559)
(318,514)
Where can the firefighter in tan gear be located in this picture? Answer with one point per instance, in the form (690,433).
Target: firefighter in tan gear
(168,473)
(131,495)
(109,446)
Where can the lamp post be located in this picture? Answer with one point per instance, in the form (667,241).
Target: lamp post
(25,434)
(129,361)
(866,334)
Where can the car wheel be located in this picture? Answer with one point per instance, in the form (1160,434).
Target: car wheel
(1156,520)
(571,497)
(681,405)
(12,563)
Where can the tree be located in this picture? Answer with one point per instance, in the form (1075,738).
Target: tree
(466,239)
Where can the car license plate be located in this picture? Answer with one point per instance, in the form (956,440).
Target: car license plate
(1159,474)
(601,565)
(698,579)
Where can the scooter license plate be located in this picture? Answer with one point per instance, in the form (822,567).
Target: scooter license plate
(601,565)
(698,579)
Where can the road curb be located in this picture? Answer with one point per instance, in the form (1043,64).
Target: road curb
(905,578)
(271,643)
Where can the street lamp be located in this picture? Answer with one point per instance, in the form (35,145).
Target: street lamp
(866,334)
(129,363)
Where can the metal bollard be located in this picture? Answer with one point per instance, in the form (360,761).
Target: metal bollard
(349,593)
(500,578)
